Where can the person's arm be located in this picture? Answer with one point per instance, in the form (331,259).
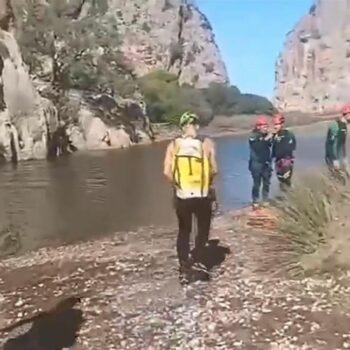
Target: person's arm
(253,146)
(211,149)
(168,162)
(293,142)
(269,137)
(273,149)
(333,138)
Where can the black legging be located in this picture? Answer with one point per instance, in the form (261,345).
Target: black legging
(201,208)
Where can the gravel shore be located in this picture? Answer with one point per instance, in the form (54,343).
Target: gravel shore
(131,297)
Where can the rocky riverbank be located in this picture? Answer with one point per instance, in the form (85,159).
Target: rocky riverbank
(131,297)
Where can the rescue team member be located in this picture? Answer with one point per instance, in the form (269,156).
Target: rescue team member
(336,143)
(283,147)
(190,164)
(260,160)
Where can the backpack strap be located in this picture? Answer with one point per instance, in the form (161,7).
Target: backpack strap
(202,138)
(176,170)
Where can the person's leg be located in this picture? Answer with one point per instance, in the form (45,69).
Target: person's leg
(256,172)
(343,170)
(329,163)
(203,214)
(266,180)
(284,183)
(184,217)
(344,167)
(332,171)
(290,176)
(284,175)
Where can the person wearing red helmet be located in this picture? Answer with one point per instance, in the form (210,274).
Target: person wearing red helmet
(260,142)
(336,142)
(283,148)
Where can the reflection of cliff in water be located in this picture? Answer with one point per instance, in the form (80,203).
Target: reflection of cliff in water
(14,154)
(10,143)
(59,144)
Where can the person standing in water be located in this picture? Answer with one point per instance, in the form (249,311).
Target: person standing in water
(260,167)
(190,165)
(336,143)
(283,148)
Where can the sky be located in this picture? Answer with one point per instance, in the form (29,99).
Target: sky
(250,34)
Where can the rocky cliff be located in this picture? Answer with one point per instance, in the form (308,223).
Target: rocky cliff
(169,34)
(172,35)
(312,72)
(26,119)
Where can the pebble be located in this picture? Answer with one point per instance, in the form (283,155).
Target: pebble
(19,303)
(138,309)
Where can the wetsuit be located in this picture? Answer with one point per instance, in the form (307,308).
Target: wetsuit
(283,147)
(336,144)
(260,164)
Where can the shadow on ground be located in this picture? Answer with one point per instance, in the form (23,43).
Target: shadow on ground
(213,255)
(56,329)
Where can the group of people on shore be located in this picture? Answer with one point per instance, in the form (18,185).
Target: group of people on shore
(266,146)
(190,165)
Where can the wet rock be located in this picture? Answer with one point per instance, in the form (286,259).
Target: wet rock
(30,117)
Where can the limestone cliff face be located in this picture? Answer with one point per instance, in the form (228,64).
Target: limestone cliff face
(155,34)
(26,119)
(172,35)
(313,71)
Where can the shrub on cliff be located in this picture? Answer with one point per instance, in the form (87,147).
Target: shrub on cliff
(228,100)
(222,98)
(253,104)
(76,41)
(166,100)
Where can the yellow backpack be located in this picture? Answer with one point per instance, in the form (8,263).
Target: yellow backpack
(191,168)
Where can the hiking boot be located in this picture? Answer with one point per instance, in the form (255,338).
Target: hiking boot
(184,279)
(255,205)
(200,272)
(185,271)
(199,267)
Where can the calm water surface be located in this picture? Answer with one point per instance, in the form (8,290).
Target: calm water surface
(93,194)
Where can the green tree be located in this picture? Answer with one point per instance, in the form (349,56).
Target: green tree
(79,39)
(167,100)
(222,98)
(228,100)
(194,100)
(253,104)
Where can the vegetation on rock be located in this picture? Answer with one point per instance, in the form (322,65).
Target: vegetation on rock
(71,45)
(229,101)
(166,99)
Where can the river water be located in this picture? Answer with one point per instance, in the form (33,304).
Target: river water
(92,194)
